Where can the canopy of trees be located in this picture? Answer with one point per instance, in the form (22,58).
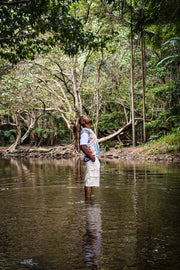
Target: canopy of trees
(118,61)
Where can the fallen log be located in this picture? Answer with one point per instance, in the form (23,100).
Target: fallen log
(118,131)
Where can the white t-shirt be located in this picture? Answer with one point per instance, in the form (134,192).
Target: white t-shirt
(89,139)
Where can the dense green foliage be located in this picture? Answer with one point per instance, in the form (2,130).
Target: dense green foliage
(79,61)
(166,144)
(35,26)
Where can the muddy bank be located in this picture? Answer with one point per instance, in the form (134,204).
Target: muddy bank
(140,153)
(67,152)
(58,152)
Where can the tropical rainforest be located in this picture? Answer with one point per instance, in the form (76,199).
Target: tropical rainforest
(117,61)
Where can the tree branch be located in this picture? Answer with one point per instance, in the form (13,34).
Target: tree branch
(119,131)
(83,69)
(65,97)
(63,79)
(15,3)
(115,134)
(62,100)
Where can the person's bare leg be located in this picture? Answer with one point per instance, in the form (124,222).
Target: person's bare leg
(88,191)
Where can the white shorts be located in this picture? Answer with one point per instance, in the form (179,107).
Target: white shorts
(92,173)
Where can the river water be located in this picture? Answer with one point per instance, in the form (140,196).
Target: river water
(132,221)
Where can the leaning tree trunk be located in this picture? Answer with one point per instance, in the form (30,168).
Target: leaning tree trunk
(109,137)
(121,130)
(17,142)
(30,128)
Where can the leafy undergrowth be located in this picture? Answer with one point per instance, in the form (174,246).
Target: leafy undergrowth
(166,144)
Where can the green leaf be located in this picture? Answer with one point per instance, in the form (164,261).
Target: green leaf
(7,133)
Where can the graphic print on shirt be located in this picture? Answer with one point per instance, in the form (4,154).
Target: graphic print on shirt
(90,140)
(92,143)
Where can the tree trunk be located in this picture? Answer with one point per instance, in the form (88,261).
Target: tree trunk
(30,128)
(132,81)
(97,110)
(13,147)
(143,83)
(125,111)
(97,97)
(76,129)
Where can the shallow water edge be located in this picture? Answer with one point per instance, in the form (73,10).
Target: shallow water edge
(131,222)
(67,152)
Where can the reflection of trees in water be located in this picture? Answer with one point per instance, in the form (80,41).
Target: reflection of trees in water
(28,168)
(141,215)
(20,166)
(150,241)
(23,172)
(79,171)
(92,238)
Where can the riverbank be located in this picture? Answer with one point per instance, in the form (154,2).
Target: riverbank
(65,152)
(141,153)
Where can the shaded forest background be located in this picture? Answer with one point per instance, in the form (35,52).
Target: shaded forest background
(118,61)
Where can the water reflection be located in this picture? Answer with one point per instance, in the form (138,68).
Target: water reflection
(132,221)
(25,172)
(92,238)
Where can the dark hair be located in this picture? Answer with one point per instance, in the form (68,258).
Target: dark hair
(80,119)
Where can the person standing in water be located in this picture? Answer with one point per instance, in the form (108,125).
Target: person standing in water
(90,148)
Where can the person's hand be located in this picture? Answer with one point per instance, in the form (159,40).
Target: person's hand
(93,159)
